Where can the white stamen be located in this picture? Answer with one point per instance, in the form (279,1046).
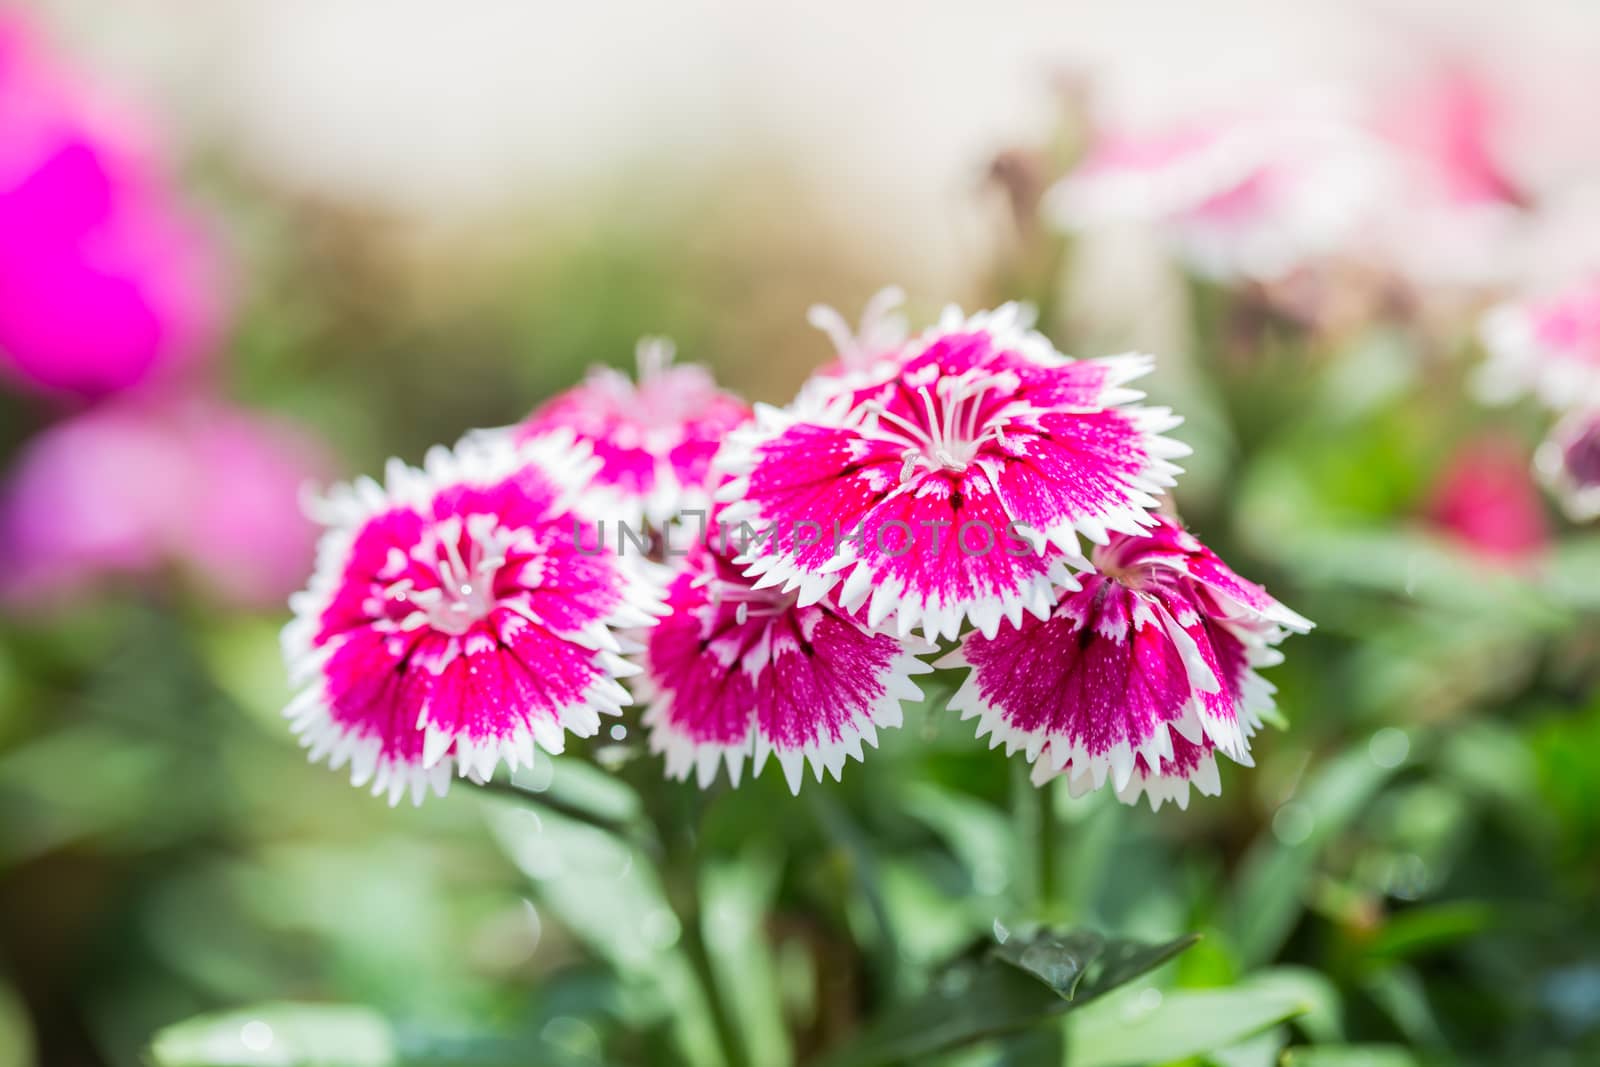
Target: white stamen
(465,590)
(950,433)
(750,603)
(653,356)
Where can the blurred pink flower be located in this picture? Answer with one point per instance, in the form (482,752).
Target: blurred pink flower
(1486,500)
(134,485)
(1454,205)
(105,281)
(1254,194)
(1569,463)
(1548,346)
(1448,124)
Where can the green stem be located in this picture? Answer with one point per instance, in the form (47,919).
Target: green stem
(1038,826)
(628,831)
(682,826)
(729,1039)
(1049,828)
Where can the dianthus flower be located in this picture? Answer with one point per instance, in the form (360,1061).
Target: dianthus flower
(1141,675)
(1251,195)
(952,484)
(654,438)
(1548,346)
(459,615)
(1453,207)
(735,672)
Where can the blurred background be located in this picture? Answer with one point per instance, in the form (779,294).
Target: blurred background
(246,244)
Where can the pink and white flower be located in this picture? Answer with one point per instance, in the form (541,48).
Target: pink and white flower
(1569,463)
(880,337)
(952,486)
(1141,675)
(1548,346)
(1247,194)
(736,672)
(1454,208)
(459,615)
(654,438)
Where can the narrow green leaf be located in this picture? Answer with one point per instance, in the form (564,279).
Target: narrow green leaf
(606,891)
(1323,1018)
(339,1035)
(1148,1026)
(16,1035)
(1258,1050)
(279,1035)
(1349,1056)
(1421,929)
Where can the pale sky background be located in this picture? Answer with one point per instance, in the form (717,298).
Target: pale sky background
(443,111)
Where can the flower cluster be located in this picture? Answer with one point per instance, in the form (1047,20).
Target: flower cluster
(918,492)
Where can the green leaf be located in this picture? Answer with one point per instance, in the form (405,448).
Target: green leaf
(1569,573)
(1349,1056)
(1422,929)
(1399,992)
(978,833)
(279,1035)
(1058,960)
(339,1035)
(1148,1026)
(988,996)
(16,1035)
(1323,1017)
(1258,1050)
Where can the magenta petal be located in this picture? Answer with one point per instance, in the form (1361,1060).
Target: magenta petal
(945,553)
(507,687)
(372,695)
(1079,470)
(1099,681)
(737,672)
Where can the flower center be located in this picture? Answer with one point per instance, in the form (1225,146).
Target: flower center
(947,422)
(748,602)
(464,559)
